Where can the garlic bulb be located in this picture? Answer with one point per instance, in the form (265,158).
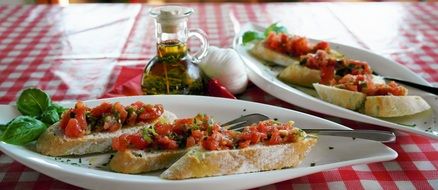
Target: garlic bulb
(226,66)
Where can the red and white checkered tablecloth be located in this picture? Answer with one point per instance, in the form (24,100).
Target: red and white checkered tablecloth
(76,52)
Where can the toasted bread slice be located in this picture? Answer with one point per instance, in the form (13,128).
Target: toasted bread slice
(394,106)
(139,161)
(260,51)
(53,142)
(300,75)
(344,98)
(200,163)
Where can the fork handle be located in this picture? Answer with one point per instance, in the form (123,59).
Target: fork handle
(375,135)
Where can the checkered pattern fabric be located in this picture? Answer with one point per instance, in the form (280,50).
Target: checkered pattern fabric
(76,52)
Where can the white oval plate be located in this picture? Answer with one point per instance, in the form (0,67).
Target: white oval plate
(265,77)
(90,172)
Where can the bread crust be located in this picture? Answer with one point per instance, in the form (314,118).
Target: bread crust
(394,106)
(53,142)
(139,161)
(300,75)
(341,97)
(260,51)
(200,163)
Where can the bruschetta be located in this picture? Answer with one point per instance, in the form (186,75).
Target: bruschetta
(83,130)
(306,63)
(377,99)
(268,145)
(202,148)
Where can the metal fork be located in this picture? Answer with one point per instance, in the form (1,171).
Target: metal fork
(375,135)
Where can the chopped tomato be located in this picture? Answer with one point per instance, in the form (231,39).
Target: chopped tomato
(138,141)
(396,89)
(65,118)
(138,104)
(73,130)
(98,111)
(244,144)
(197,134)
(275,138)
(210,144)
(180,126)
(120,143)
(121,111)
(132,119)
(322,45)
(300,46)
(80,111)
(150,113)
(114,127)
(327,75)
(283,43)
(190,142)
(167,143)
(163,128)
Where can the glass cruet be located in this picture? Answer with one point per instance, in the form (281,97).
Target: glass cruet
(173,70)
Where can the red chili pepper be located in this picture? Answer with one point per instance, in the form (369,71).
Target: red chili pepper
(215,88)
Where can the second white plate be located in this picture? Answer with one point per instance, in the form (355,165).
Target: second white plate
(265,77)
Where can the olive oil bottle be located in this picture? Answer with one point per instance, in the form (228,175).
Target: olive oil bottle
(173,70)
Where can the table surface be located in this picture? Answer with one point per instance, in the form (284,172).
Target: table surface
(47,46)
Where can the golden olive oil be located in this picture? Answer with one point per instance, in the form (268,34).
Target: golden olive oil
(172,71)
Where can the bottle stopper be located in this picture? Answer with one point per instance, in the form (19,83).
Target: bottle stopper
(169,17)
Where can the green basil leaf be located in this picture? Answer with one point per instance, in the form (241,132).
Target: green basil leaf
(22,130)
(50,116)
(277,28)
(251,36)
(33,102)
(59,109)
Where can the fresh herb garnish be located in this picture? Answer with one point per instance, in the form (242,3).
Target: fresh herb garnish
(33,102)
(22,130)
(251,36)
(276,28)
(38,112)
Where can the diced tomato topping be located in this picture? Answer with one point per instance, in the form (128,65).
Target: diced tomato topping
(190,142)
(138,104)
(275,138)
(283,43)
(120,143)
(150,113)
(365,84)
(114,127)
(210,144)
(197,134)
(132,118)
(180,126)
(80,111)
(327,75)
(244,144)
(167,143)
(138,141)
(65,118)
(322,45)
(98,111)
(73,130)
(163,128)
(121,111)
(359,67)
